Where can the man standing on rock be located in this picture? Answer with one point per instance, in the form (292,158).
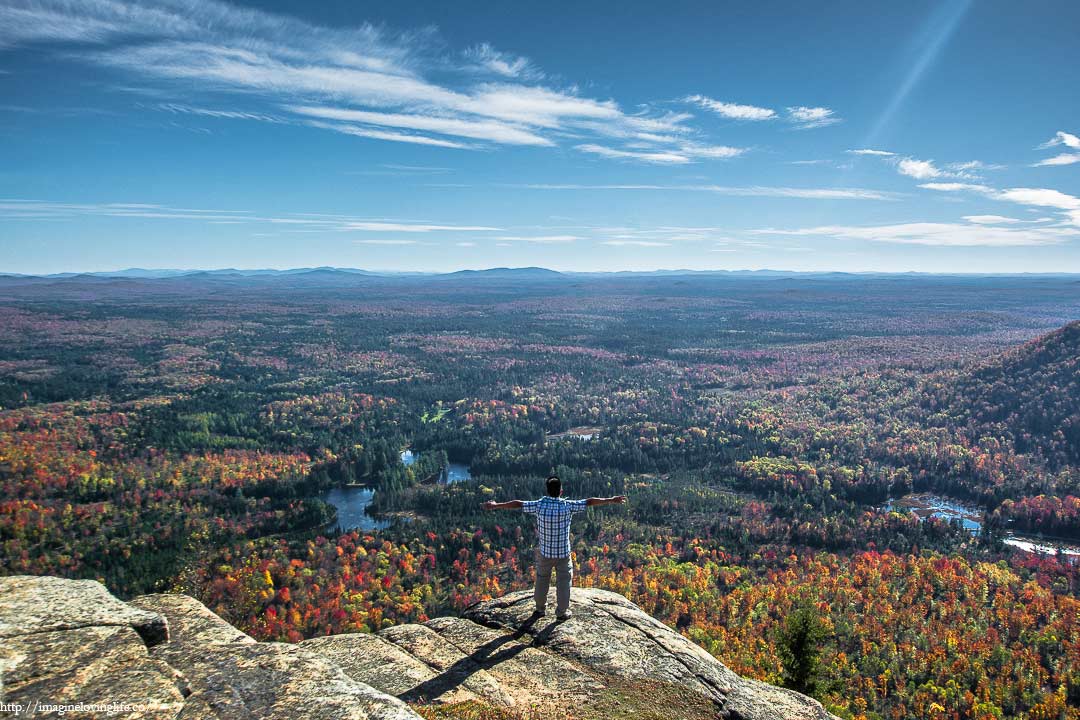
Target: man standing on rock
(553,515)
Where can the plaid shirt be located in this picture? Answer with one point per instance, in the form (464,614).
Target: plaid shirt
(553,523)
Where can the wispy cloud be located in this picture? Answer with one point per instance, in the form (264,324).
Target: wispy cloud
(806,118)
(801,116)
(362,81)
(487,59)
(363,132)
(991,219)
(928,170)
(1032,197)
(25,209)
(737,191)
(411,227)
(956,187)
(1061,159)
(919,169)
(733,111)
(541,239)
(1067,158)
(1062,138)
(490,130)
(939,234)
(636,243)
(656,158)
(386,242)
(868,151)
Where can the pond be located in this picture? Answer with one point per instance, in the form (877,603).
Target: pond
(352,503)
(926,505)
(452,473)
(455,472)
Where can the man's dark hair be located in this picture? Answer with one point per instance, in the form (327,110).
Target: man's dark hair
(554,486)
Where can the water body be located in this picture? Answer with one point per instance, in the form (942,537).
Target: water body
(925,505)
(452,473)
(352,503)
(455,472)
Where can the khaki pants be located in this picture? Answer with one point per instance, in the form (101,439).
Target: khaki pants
(564,574)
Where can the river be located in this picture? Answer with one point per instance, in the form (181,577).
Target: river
(926,505)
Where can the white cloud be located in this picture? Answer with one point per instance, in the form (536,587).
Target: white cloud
(991,219)
(918,169)
(490,130)
(636,243)
(737,191)
(733,111)
(867,151)
(1043,197)
(391,136)
(656,158)
(410,227)
(490,60)
(466,244)
(972,166)
(940,234)
(811,117)
(386,242)
(1062,159)
(956,187)
(1036,197)
(353,80)
(711,151)
(1062,138)
(541,239)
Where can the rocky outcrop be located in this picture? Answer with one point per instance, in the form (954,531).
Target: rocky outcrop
(168,656)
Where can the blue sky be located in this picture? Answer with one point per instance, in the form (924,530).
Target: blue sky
(857,136)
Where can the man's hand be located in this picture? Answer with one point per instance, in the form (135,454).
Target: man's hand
(615,500)
(508,505)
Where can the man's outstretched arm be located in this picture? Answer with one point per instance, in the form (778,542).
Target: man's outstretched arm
(508,505)
(614,500)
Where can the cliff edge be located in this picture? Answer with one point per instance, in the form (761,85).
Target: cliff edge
(70,647)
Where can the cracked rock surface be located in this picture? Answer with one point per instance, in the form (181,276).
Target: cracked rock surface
(168,656)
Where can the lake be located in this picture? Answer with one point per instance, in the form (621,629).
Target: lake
(452,473)
(926,505)
(352,503)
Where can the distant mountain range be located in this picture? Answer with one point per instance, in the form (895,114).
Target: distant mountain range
(327,273)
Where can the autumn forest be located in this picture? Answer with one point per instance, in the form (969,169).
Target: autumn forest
(899,454)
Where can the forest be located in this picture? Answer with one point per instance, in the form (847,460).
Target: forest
(777,436)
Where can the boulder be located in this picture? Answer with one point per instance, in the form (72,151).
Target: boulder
(609,633)
(273,681)
(69,642)
(167,656)
(376,661)
(190,622)
(30,604)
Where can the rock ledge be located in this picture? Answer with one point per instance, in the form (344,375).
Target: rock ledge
(65,642)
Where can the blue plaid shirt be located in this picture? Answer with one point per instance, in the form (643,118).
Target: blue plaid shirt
(553,523)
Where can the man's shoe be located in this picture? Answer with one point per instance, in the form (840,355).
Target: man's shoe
(564,617)
(537,614)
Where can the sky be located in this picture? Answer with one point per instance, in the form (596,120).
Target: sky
(935,136)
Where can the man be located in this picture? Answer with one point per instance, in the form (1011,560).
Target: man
(553,515)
